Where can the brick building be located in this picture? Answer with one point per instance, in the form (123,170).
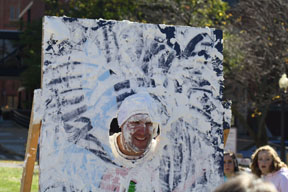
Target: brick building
(14,14)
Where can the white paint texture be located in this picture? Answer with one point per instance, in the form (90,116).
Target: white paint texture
(90,66)
(37,106)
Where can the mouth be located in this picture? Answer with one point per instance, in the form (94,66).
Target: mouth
(140,138)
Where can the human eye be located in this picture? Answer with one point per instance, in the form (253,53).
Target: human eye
(135,122)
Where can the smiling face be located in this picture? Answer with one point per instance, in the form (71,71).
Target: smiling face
(228,166)
(137,133)
(265,161)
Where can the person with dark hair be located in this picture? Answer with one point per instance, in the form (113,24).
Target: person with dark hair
(230,165)
(267,164)
(245,182)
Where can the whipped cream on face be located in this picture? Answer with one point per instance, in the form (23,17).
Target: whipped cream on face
(131,128)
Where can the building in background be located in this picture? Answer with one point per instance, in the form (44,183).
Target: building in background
(14,15)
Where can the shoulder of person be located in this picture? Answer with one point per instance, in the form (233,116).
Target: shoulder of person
(280,174)
(284,171)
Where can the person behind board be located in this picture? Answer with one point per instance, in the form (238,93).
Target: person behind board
(231,167)
(267,164)
(245,182)
(138,128)
(134,147)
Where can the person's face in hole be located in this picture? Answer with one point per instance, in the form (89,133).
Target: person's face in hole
(137,133)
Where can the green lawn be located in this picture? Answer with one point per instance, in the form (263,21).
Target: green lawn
(10,179)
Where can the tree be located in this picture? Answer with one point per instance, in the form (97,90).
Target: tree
(30,41)
(259,29)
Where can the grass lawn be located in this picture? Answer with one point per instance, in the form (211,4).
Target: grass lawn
(10,178)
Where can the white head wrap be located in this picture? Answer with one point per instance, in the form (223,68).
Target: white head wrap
(135,104)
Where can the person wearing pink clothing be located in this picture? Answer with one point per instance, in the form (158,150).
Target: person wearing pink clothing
(267,164)
(279,179)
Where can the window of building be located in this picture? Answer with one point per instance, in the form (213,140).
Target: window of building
(14,12)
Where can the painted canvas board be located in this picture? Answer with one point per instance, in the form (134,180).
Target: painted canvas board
(91,66)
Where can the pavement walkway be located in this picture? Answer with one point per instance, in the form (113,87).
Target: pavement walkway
(13,138)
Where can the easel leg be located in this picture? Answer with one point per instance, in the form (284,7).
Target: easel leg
(30,155)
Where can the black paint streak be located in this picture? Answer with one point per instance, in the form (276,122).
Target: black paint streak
(85,28)
(191,90)
(63,79)
(111,72)
(105,34)
(102,155)
(83,40)
(188,51)
(219,36)
(46,63)
(165,83)
(178,87)
(64,47)
(217,63)
(81,133)
(165,164)
(51,43)
(67,64)
(48,101)
(115,40)
(170,33)
(203,53)
(69,19)
(101,23)
(122,85)
(71,115)
(141,82)
(144,68)
(164,63)
(93,139)
(69,90)
(156,48)
(147,56)
(204,83)
(121,97)
(75,100)
(208,116)
(221,90)
(68,128)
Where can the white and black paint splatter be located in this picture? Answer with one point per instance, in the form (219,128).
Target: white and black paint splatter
(91,66)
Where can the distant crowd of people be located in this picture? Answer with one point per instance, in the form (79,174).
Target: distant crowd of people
(267,173)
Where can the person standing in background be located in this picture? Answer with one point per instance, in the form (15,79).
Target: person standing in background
(267,164)
(230,165)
